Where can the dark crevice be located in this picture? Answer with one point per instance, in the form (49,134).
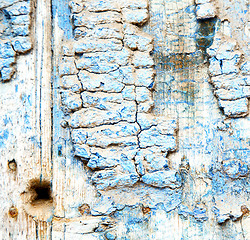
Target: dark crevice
(41,191)
(205,33)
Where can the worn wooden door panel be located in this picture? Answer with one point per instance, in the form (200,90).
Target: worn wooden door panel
(124,119)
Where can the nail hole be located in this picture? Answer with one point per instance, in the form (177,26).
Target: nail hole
(59,150)
(38,200)
(41,191)
(12,165)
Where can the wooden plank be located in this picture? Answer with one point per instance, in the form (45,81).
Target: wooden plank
(43,76)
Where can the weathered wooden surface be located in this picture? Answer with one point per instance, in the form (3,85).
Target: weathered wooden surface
(180,170)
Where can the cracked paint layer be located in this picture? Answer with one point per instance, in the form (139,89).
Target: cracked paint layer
(230,75)
(15,34)
(228,63)
(212,151)
(107,79)
(207,198)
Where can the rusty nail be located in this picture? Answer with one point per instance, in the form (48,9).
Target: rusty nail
(244,209)
(84,209)
(146,210)
(13,212)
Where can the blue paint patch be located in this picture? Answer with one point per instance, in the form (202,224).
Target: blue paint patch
(6,120)
(26,119)
(61,10)
(199,213)
(4,135)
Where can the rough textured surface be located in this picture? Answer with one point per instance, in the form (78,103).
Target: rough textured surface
(230,75)
(122,185)
(15,35)
(228,61)
(183,90)
(112,127)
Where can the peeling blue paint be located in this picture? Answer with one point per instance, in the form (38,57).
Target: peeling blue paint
(4,135)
